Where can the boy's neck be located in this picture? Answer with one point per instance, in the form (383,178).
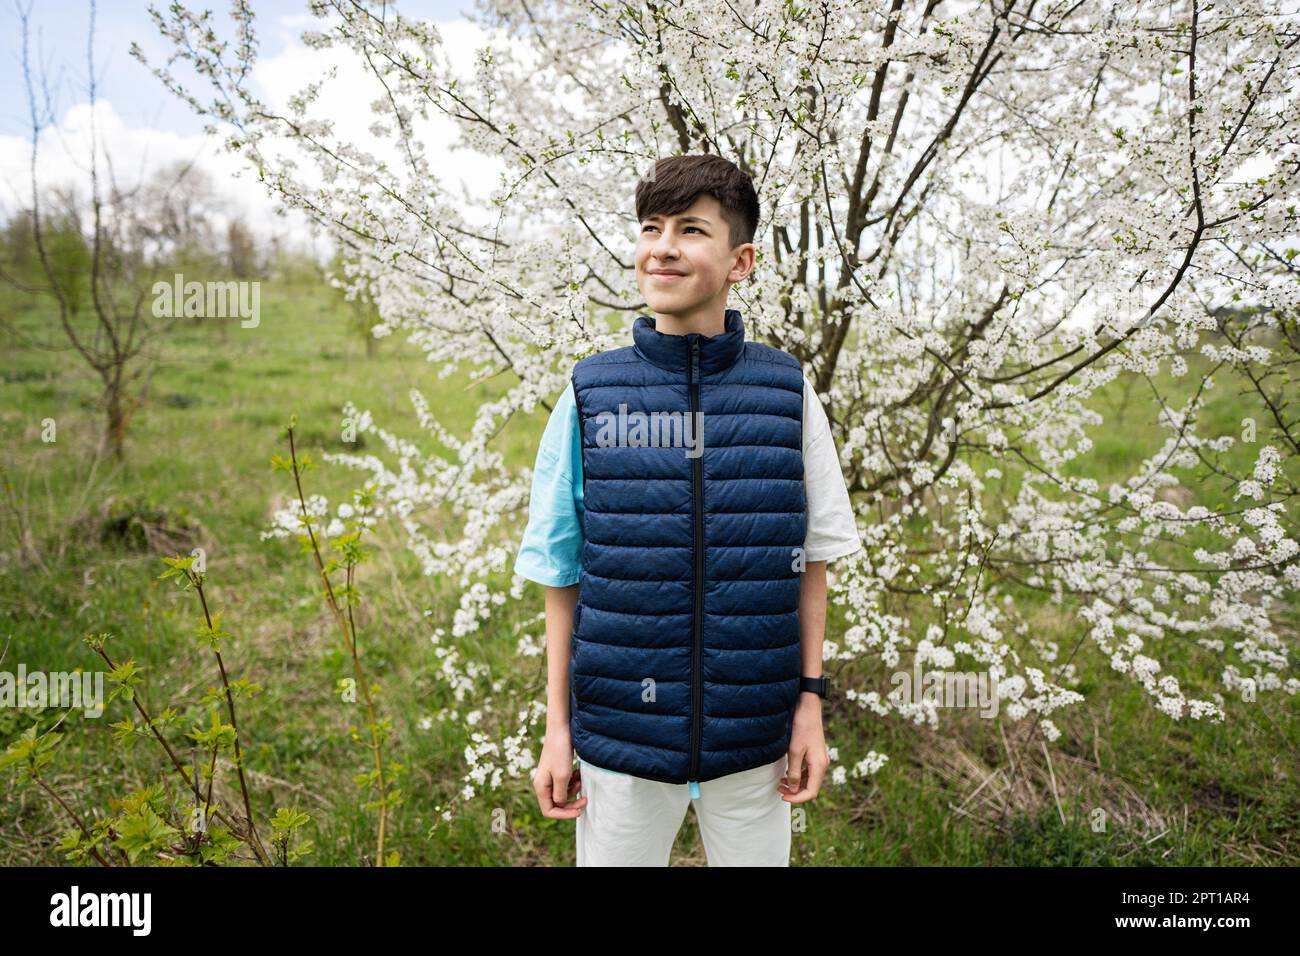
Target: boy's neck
(708,320)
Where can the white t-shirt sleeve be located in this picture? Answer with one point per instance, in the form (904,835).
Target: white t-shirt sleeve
(832,529)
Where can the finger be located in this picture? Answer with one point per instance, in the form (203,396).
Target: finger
(560,788)
(575,802)
(816,774)
(810,781)
(797,790)
(793,769)
(542,785)
(554,811)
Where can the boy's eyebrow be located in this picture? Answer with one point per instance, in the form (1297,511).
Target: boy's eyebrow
(702,219)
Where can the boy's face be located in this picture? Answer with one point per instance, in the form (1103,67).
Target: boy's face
(685,264)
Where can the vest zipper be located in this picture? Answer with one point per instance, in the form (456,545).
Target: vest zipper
(697,499)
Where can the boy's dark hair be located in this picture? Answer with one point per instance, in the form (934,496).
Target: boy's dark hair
(678,180)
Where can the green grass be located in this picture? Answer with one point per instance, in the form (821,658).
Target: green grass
(209,457)
(1173,794)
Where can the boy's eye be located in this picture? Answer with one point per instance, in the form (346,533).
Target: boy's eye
(648,226)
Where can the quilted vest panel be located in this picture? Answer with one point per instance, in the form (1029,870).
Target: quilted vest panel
(685,655)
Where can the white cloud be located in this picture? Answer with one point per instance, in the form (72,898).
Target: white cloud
(135,153)
(138,151)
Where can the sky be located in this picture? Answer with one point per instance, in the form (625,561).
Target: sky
(144,126)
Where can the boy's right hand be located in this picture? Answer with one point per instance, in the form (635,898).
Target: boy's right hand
(557,780)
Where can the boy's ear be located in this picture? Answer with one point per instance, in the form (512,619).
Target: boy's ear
(746,254)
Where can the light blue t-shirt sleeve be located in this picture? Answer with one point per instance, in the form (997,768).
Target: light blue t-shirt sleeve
(551,550)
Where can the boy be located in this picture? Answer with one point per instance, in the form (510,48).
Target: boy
(686,578)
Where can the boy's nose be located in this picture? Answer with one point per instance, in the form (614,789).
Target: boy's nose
(664,250)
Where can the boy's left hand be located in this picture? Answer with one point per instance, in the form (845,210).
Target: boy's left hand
(807,760)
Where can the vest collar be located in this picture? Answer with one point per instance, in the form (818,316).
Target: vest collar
(673,352)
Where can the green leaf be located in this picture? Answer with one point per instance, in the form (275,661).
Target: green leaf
(144,832)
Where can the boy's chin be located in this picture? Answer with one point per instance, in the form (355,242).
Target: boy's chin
(670,304)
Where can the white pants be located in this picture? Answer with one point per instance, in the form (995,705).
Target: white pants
(632,821)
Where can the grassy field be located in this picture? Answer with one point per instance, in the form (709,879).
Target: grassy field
(198,448)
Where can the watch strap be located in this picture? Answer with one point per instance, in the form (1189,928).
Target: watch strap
(816,685)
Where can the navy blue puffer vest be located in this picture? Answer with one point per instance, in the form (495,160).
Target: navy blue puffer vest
(685,658)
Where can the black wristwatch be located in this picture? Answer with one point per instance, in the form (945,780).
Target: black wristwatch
(815,685)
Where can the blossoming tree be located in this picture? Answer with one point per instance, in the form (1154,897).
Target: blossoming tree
(976,219)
